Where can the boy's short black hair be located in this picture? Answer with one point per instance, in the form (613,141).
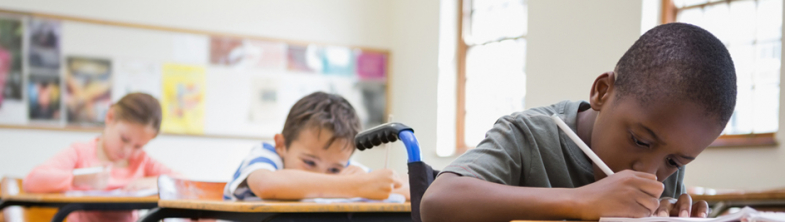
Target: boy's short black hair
(320,111)
(680,61)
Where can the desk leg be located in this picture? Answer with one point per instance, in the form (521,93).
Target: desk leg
(63,212)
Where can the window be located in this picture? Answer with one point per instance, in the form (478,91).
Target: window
(491,58)
(752,32)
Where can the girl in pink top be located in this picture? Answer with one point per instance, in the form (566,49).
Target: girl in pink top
(130,124)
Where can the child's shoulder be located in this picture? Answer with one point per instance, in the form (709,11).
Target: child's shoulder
(539,117)
(83,147)
(263,153)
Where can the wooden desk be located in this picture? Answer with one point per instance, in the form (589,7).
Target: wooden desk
(13,195)
(762,199)
(181,198)
(267,210)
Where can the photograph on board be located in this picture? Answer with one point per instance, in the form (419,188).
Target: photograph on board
(11,31)
(44,48)
(44,96)
(88,83)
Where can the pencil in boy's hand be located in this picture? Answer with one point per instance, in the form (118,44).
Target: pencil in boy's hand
(582,145)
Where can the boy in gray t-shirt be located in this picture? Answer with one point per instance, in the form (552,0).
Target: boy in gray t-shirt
(669,97)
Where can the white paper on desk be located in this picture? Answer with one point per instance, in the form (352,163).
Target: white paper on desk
(746,214)
(394,198)
(111,193)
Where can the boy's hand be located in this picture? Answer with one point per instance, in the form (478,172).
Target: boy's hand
(623,194)
(93,181)
(142,184)
(377,184)
(682,207)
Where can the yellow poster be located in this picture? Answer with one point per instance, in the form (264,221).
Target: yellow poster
(183,99)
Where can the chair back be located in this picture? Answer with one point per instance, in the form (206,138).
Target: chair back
(170,188)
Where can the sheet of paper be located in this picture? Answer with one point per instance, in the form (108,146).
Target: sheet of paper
(394,198)
(111,193)
(745,214)
(136,76)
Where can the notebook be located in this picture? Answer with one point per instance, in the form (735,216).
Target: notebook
(746,214)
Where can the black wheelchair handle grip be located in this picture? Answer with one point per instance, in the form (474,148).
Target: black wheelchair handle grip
(385,133)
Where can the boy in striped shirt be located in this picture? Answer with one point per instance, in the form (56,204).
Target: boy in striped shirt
(310,158)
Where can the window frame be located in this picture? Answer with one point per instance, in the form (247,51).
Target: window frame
(464,23)
(668,15)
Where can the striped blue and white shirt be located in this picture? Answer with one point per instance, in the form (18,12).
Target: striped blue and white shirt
(262,156)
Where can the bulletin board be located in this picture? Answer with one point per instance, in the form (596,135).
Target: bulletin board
(63,73)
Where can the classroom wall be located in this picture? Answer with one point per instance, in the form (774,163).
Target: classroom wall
(342,22)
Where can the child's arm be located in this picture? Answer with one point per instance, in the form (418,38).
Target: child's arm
(298,184)
(624,194)
(54,175)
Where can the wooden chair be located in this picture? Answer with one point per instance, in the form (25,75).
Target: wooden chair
(173,189)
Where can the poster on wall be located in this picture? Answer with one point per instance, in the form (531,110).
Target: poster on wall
(44,96)
(226,51)
(266,55)
(136,76)
(244,53)
(264,100)
(371,65)
(44,48)
(301,58)
(183,99)
(338,61)
(374,101)
(11,31)
(88,83)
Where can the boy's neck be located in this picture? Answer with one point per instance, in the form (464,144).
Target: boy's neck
(585,124)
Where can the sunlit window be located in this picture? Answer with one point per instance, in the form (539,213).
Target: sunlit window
(494,33)
(752,31)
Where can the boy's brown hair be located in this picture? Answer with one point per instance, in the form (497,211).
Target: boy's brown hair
(322,111)
(139,108)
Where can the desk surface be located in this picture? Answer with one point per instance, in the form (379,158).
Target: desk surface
(283,206)
(774,194)
(60,198)
(11,191)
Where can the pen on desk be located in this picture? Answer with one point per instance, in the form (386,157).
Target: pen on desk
(582,145)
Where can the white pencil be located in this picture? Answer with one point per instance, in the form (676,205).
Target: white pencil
(582,145)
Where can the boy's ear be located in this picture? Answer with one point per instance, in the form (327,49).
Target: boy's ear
(280,143)
(601,90)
